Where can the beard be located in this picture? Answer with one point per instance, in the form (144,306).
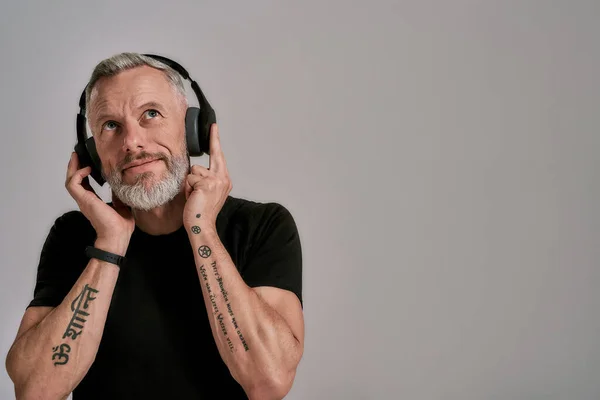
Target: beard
(149,191)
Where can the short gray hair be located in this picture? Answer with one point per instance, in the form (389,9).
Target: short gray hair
(124,61)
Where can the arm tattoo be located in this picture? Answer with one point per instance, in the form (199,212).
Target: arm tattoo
(229,309)
(211,296)
(62,353)
(215,308)
(220,280)
(78,314)
(80,303)
(204,251)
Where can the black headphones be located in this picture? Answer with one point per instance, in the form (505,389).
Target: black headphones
(197,126)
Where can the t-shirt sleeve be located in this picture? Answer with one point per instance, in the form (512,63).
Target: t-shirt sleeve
(62,259)
(275,256)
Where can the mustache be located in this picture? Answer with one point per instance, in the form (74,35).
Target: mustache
(141,156)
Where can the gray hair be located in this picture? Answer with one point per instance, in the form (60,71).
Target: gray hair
(124,61)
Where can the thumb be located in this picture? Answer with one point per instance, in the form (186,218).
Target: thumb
(188,189)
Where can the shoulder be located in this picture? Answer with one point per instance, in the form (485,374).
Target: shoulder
(74,225)
(256,215)
(72,218)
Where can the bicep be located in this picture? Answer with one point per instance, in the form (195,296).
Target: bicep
(287,305)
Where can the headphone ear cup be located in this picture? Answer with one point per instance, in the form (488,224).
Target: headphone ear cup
(196,134)
(96,163)
(88,156)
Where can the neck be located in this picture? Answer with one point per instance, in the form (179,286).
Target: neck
(164,219)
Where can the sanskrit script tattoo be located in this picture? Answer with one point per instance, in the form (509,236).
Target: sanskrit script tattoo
(75,326)
(61,352)
(82,300)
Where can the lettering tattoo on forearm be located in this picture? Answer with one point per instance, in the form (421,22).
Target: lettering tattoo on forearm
(230,345)
(212,297)
(78,314)
(220,280)
(205,252)
(80,303)
(229,310)
(220,319)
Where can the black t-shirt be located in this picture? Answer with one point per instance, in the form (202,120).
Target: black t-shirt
(157,342)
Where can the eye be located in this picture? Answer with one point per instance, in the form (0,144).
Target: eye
(152,113)
(109,126)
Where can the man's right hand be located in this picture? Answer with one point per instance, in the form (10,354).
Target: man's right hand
(112,224)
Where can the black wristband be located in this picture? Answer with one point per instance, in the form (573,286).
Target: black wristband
(94,252)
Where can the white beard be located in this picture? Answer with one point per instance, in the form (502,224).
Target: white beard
(159,192)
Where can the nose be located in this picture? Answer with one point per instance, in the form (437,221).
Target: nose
(134,137)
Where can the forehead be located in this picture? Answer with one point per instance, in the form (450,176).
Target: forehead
(128,87)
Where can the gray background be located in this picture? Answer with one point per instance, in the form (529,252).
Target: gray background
(439,159)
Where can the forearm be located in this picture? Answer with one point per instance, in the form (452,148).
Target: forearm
(51,358)
(254,341)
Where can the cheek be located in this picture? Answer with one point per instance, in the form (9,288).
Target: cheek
(106,154)
(170,140)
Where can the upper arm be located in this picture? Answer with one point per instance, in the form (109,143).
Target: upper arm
(273,259)
(288,306)
(62,260)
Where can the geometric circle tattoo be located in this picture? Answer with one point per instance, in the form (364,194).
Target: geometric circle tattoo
(196,229)
(197,215)
(204,251)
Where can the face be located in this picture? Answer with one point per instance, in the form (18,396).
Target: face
(138,123)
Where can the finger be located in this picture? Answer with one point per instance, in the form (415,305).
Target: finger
(85,182)
(74,184)
(188,189)
(216,160)
(199,170)
(72,166)
(194,180)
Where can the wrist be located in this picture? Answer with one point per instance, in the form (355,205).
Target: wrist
(116,245)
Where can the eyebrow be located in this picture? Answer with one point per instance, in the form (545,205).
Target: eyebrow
(149,104)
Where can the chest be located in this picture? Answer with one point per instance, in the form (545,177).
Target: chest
(157,308)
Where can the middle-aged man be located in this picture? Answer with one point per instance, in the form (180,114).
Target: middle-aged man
(208,301)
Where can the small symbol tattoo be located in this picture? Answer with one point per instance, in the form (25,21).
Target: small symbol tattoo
(197,215)
(204,251)
(196,229)
(64,349)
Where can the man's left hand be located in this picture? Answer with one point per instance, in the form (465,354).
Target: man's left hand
(206,189)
